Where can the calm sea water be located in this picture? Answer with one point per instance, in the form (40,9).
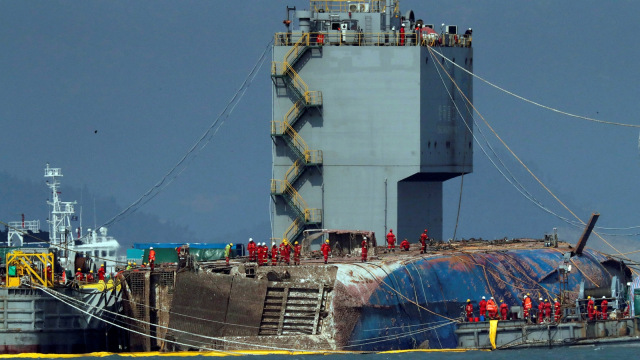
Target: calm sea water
(568,353)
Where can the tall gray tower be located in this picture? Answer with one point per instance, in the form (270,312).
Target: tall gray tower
(366,124)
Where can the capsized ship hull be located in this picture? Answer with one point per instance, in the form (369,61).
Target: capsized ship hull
(403,301)
(410,303)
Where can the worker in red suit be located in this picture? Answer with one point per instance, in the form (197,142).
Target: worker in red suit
(547,310)
(483,308)
(558,311)
(101,273)
(540,311)
(527,305)
(492,308)
(274,254)
(90,277)
(404,245)
(326,249)
(252,250)
(265,254)
(402,35)
(469,310)
(283,244)
(286,252)
(391,240)
(364,249)
(296,254)
(590,308)
(49,273)
(504,310)
(152,258)
(604,306)
(260,253)
(423,242)
(79,275)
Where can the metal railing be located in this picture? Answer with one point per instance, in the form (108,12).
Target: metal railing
(389,38)
(334,6)
(293,229)
(313,215)
(31,225)
(285,188)
(33,266)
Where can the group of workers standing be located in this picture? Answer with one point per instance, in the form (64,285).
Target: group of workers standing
(89,278)
(490,310)
(404,244)
(260,253)
(542,312)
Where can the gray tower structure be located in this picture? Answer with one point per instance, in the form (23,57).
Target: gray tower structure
(366,124)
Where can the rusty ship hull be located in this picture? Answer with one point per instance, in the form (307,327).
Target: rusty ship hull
(399,300)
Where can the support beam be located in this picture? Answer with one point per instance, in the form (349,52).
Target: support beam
(585,235)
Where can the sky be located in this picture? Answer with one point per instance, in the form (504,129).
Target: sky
(117,92)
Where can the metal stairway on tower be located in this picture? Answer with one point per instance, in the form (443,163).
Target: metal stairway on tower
(283,74)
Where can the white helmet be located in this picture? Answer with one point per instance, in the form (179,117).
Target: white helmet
(151,248)
(264,243)
(250,239)
(603,296)
(483,298)
(540,299)
(492,298)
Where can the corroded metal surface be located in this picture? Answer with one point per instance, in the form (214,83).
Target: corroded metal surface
(244,312)
(399,300)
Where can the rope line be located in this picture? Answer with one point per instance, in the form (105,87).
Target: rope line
(531,101)
(516,156)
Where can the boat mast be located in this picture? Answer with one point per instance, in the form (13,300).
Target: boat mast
(61,211)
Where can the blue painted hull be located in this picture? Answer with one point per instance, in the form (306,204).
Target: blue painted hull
(401,304)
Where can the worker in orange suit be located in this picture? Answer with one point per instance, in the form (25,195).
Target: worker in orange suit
(404,245)
(391,240)
(90,277)
(590,308)
(364,249)
(260,253)
(504,310)
(49,273)
(274,254)
(326,249)
(101,273)
(527,305)
(547,310)
(482,305)
(296,254)
(604,306)
(152,258)
(252,250)
(492,308)
(469,310)
(79,275)
(540,311)
(558,311)
(285,252)
(265,254)
(423,242)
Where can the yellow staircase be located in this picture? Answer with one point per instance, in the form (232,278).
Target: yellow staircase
(284,74)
